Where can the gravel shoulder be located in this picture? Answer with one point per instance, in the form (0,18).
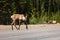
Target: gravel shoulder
(31,27)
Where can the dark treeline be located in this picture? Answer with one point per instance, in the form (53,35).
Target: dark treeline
(38,11)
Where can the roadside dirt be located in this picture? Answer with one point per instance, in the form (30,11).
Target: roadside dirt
(31,27)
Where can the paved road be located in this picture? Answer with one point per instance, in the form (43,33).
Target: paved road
(40,34)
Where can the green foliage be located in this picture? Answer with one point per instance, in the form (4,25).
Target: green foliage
(33,20)
(38,11)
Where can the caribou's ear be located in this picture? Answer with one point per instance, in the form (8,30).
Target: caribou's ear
(26,16)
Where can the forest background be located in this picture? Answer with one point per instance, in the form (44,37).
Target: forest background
(39,11)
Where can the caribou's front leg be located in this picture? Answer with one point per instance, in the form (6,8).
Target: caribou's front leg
(26,24)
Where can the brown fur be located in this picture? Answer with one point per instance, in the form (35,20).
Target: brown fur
(20,17)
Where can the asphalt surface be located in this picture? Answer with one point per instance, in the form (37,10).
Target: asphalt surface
(39,34)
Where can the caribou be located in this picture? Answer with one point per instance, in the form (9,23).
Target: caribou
(20,17)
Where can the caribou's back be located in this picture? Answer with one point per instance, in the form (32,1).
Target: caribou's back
(18,16)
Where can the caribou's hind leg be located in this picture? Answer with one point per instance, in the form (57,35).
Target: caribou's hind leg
(13,23)
(19,25)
